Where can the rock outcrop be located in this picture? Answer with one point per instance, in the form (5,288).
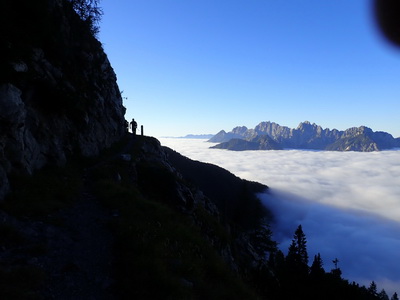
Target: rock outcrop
(58,91)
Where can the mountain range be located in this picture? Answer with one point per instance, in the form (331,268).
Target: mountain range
(197,136)
(272,136)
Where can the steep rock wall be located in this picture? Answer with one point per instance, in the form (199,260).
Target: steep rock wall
(58,91)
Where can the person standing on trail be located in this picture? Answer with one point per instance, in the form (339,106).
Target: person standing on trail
(133,126)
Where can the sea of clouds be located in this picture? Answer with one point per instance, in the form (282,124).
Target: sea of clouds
(347,202)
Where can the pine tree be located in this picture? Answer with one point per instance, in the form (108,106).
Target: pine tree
(262,240)
(317,270)
(297,258)
(298,248)
(394,297)
(382,295)
(373,289)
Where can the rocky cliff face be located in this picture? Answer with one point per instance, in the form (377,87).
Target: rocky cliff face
(308,136)
(58,91)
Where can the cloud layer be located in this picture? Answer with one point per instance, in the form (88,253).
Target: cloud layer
(347,202)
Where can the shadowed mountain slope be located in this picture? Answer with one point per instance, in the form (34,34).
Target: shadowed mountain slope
(58,92)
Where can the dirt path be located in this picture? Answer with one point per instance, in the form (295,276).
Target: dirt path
(79,253)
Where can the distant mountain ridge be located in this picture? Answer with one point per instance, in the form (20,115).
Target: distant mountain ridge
(272,136)
(197,136)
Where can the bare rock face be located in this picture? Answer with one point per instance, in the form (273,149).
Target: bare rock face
(58,92)
(20,150)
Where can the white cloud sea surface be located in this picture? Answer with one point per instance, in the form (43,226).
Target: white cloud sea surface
(347,202)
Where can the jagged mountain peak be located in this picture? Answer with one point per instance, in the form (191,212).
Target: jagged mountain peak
(306,125)
(239,129)
(357,131)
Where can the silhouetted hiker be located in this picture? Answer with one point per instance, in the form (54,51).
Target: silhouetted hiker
(133,126)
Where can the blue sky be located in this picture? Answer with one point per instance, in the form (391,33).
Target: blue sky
(196,67)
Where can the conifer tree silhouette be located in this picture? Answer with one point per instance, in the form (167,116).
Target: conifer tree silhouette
(297,258)
(373,289)
(317,270)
